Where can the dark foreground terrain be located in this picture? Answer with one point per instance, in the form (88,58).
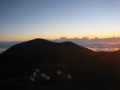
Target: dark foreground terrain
(40,65)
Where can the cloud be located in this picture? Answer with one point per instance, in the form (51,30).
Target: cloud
(5,45)
(2,50)
(96,44)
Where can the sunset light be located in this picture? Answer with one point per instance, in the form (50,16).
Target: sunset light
(22,20)
(60,44)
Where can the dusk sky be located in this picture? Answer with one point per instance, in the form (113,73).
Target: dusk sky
(28,19)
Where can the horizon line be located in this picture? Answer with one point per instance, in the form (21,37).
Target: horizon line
(85,37)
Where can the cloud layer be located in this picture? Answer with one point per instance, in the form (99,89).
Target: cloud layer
(96,44)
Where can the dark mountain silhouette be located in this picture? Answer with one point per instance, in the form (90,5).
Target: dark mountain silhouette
(111,56)
(41,52)
(90,70)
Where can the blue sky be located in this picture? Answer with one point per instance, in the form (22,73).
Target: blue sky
(28,19)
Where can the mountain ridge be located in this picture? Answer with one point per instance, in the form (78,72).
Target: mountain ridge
(83,64)
(40,52)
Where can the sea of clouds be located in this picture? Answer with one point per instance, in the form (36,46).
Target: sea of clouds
(96,44)
(5,45)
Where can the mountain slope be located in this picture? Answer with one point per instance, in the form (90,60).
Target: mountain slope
(89,69)
(38,52)
(113,57)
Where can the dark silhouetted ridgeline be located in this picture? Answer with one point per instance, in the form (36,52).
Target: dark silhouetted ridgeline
(86,69)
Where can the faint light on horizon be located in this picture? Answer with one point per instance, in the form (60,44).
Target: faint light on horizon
(104,49)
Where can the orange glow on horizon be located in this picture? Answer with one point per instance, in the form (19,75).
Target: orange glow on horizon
(54,37)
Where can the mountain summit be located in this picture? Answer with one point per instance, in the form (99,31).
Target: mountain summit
(85,66)
(38,52)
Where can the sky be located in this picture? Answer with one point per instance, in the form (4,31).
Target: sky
(28,19)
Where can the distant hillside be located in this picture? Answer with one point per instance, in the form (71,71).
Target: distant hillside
(113,57)
(41,52)
(88,68)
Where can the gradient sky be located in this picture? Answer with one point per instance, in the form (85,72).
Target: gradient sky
(49,19)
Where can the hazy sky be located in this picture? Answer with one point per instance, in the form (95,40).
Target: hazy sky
(28,19)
